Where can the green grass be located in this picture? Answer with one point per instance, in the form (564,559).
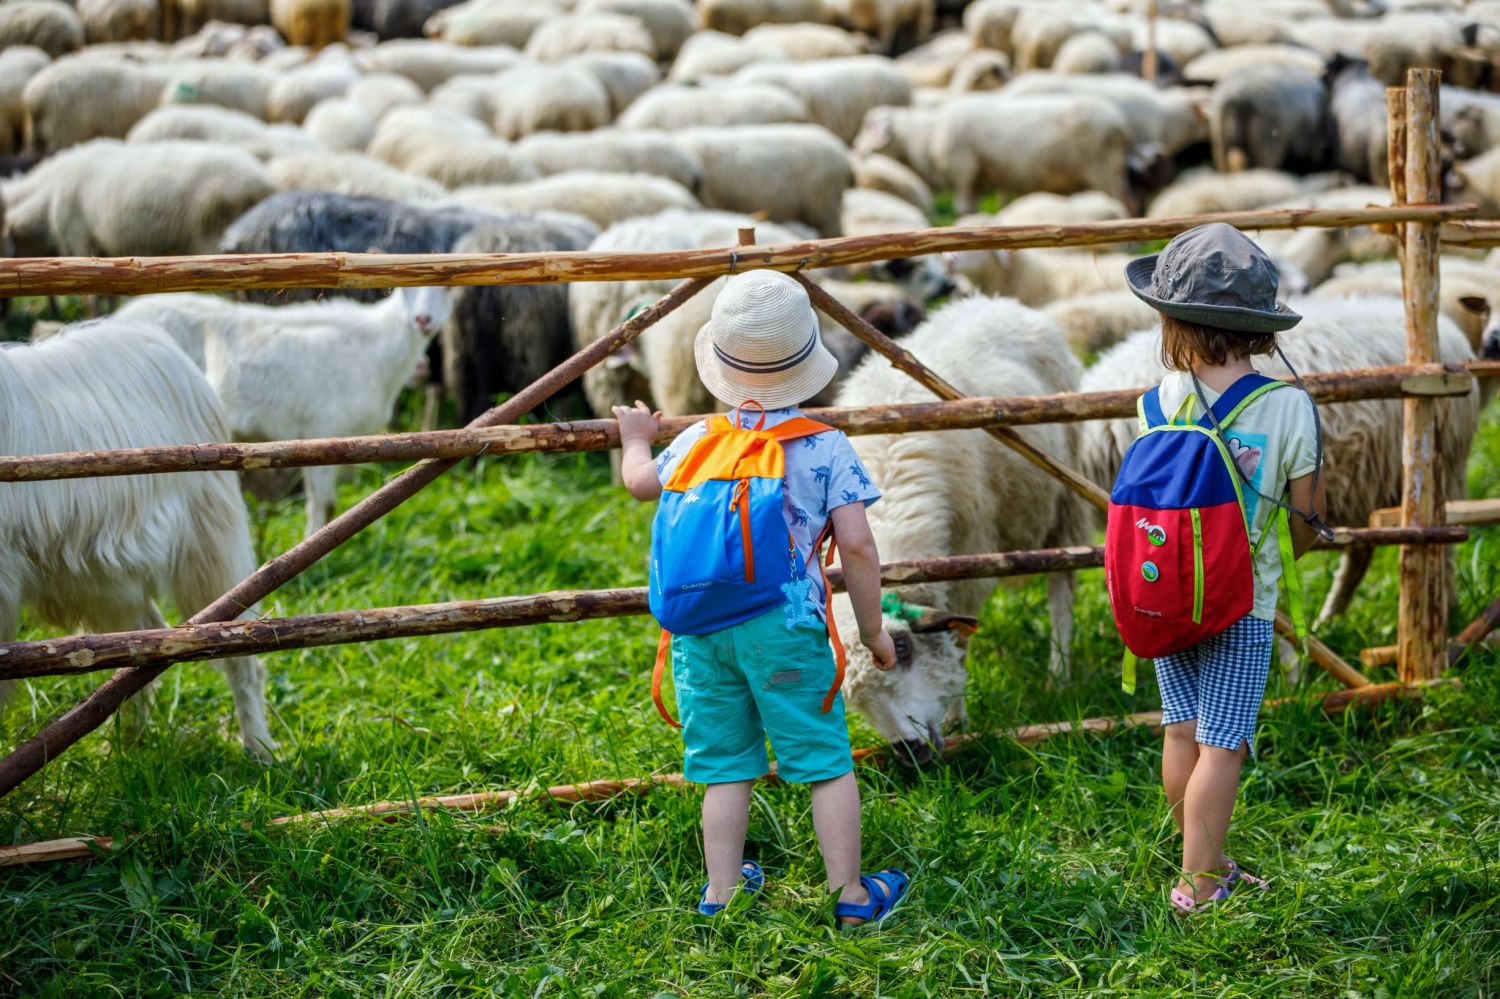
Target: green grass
(1039,871)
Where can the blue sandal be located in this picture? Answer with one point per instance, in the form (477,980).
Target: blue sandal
(887,889)
(752,880)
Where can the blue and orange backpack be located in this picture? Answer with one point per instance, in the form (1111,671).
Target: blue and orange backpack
(1178,563)
(721,551)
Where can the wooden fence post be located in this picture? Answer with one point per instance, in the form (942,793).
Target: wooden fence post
(1423,616)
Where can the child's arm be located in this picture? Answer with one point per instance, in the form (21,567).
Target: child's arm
(638,427)
(1303,499)
(861,564)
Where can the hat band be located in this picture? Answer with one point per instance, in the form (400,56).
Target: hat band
(767,367)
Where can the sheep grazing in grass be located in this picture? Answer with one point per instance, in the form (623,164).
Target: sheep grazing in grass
(881,173)
(932,64)
(503,338)
(1357,104)
(430,63)
(981,143)
(624,75)
(1042,208)
(229,83)
(612,150)
(488,22)
(1089,52)
(447,147)
(107,199)
(1361,440)
(340,125)
(326,369)
(959,492)
(709,54)
(548,98)
(595,31)
(1468,293)
(668,22)
(735,17)
(803,42)
(313,23)
(205,123)
(297,92)
(1168,121)
(49,25)
(97,553)
(1040,277)
(353,174)
(378,93)
(892,23)
(119,20)
(792,173)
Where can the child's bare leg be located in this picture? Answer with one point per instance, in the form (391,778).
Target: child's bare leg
(1207,808)
(726,814)
(835,812)
(1179,755)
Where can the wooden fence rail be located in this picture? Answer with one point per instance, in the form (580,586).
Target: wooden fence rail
(77,654)
(600,435)
(269,271)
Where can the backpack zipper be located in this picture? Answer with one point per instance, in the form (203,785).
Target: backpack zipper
(740,501)
(1197,566)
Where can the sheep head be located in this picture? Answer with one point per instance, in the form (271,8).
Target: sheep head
(911,704)
(426,309)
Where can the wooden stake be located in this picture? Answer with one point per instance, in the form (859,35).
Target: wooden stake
(151,648)
(599,435)
(95,709)
(1423,617)
(1395,150)
(1470,233)
(1481,627)
(1148,57)
(1473,512)
(142,275)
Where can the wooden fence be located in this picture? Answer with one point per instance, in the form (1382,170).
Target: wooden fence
(138,658)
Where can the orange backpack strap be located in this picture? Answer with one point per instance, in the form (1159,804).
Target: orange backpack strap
(840,657)
(796,427)
(663,650)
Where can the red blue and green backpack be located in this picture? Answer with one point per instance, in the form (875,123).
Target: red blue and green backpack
(1178,562)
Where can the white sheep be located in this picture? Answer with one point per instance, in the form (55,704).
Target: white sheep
(108,199)
(959,492)
(1310,255)
(449,148)
(379,93)
(803,42)
(97,553)
(119,20)
(1091,323)
(1042,29)
(981,69)
(297,92)
(735,17)
(1468,292)
(624,75)
(881,173)
(602,198)
(1362,440)
(674,106)
(49,25)
(611,150)
(87,97)
(1043,208)
(222,126)
(668,22)
(1211,67)
(714,53)
(1239,26)
(983,142)
(1478,180)
(340,125)
(838,92)
(1170,120)
(322,369)
(932,63)
(548,98)
(566,35)
(1204,191)
(230,83)
(428,63)
(867,213)
(18,64)
(793,173)
(351,173)
(489,22)
(1042,276)
(1087,52)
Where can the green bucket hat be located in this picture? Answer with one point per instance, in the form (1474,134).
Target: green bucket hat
(1213,275)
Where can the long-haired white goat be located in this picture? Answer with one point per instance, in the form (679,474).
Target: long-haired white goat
(95,553)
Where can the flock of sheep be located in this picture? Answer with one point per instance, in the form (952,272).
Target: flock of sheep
(163,127)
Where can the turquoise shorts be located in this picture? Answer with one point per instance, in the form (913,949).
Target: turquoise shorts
(756,679)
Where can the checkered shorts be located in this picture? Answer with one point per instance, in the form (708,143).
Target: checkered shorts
(1220,682)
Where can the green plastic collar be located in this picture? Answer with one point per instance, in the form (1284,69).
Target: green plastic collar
(893,606)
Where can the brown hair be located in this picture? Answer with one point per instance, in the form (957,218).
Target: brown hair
(1184,344)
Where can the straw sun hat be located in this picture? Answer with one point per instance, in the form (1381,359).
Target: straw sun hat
(761,342)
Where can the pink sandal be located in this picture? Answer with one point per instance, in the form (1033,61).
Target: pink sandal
(1185,902)
(1238,874)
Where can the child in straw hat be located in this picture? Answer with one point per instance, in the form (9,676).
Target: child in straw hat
(1216,292)
(767,677)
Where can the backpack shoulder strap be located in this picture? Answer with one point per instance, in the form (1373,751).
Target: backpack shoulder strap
(718,425)
(1237,396)
(1149,408)
(797,427)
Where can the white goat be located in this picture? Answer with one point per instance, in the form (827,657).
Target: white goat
(959,492)
(322,369)
(96,553)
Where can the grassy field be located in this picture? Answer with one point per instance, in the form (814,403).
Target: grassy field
(1039,871)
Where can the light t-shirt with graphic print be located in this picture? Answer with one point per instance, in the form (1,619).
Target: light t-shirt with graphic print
(1273,440)
(822,474)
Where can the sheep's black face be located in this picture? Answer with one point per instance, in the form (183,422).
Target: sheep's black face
(1490,349)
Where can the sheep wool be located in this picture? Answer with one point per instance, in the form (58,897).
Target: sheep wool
(313,23)
(602,198)
(960,492)
(803,42)
(611,150)
(595,31)
(837,92)
(715,53)
(340,124)
(206,123)
(672,106)
(119,20)
(735,17)
(881,173)
(95,554)
(49,25)
(18,64)
(625,75)
(489,22)
(453,150)
(668,22)
(793,173)
(87,97)
(352,174)
(548,98)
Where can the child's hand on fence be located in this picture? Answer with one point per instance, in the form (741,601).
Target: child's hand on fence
(882,648)
(637,423)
